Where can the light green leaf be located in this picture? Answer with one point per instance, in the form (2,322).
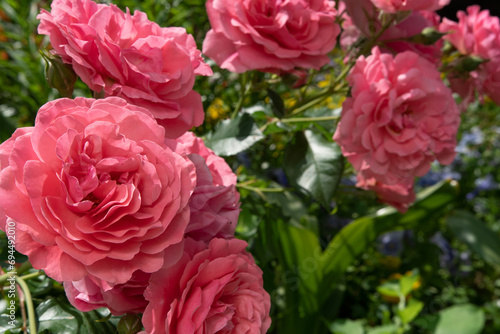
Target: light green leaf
(407,282)
(411,311)
(460,319)
(347,326)
(390,288)
(233,136)
(301,256)
(387,329)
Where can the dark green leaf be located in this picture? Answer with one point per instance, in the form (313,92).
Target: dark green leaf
(314,165)
(473,232)
(235,135)
(6,325)
(57,316)
(277,103)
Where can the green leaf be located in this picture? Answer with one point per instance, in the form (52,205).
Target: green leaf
(233,136)
(57,316)
(314,165)
(387,329)
(390,288)
(411,311)
(277,103)
(480,238)
(406,282)
(460,319)
(347,326)
(301,254)
(354,239)
(6,325)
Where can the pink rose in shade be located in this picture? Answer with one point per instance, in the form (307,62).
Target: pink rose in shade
(90,293)
(215,203)
(270,35)
(364,15)
(476,33)
(399,119)
(211,290)
(393,6)
(131,57)
(395,38)
(94,190)
(399,195)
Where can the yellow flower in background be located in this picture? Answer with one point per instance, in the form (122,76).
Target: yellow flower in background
(217,109)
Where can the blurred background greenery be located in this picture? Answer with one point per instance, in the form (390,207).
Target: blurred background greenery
(432,272)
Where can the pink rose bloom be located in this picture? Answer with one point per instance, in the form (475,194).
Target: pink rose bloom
(214,205)
(211,290)
(130,57)
(399,195)
(476,33)
(94,190)
(364,15)
(393,39)
(399,119)
(270,35)
(90,293)
(393,6)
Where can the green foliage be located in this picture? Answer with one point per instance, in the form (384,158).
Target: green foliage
(57,316)
(235,135)
(481,239)
(314,164)
(297,194)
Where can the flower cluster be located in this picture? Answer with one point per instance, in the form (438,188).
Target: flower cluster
(399,119)
(131,57)
(476,34)
(113,197)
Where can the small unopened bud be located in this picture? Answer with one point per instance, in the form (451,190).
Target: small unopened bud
(428,36)
(59,75)
(129,324)
(469,63)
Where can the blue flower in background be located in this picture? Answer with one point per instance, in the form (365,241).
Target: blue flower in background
(278,175)
(437,174)
(391,243)
(244,159)
(483,184)
(448,254)
(469,139)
